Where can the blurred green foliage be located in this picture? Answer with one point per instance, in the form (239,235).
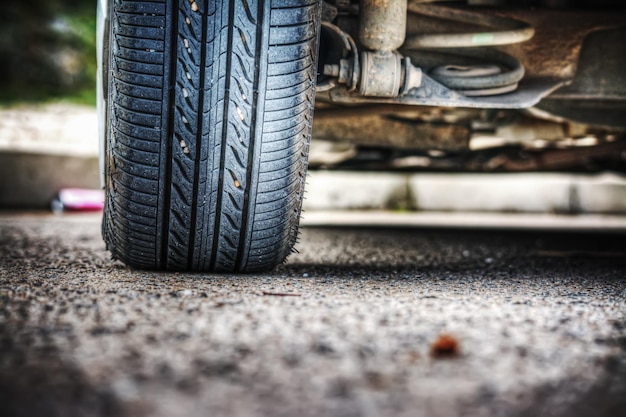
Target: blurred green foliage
(47,51)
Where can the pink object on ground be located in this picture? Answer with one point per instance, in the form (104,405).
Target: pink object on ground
(78,199)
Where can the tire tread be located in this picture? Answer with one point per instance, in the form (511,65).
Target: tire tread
(209,121)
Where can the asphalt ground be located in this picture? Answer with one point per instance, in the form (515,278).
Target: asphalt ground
(363,321)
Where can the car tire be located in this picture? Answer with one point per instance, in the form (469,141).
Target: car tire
(208,120)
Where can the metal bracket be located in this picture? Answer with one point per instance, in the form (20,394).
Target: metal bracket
(432,93)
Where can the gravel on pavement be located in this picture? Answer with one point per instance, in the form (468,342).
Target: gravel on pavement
(395,321)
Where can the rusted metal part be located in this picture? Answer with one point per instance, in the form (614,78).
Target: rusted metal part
(558,159)
(552,51)
(559,35)
(550,57)
(499,82)
(339,57)
(601,73)
(494,30)
(597,95)
(382,71)
(334,112)
(528,132)
(505,159)
(497,30)
(432,93)
(386,132)
(381,74)
(382,24)
(488,130)
(377,74)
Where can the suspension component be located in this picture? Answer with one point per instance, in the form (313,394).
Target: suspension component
(473,80)
(382,24)
(501,73)
(387,74)
(499,30)
(373,73)
(382,29)
(339,57)
(377,69)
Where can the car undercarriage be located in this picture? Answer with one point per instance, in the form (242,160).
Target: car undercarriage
(212,112)
(479,86)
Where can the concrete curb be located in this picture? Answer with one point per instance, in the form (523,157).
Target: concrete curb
(467,220)
(30,180)
(515,193)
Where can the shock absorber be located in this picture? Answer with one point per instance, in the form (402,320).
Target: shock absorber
(377,70)
(382,24)
(382,30)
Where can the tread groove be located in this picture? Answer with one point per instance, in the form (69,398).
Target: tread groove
(196,179)
(224,138)
(252,160)
(167,157)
